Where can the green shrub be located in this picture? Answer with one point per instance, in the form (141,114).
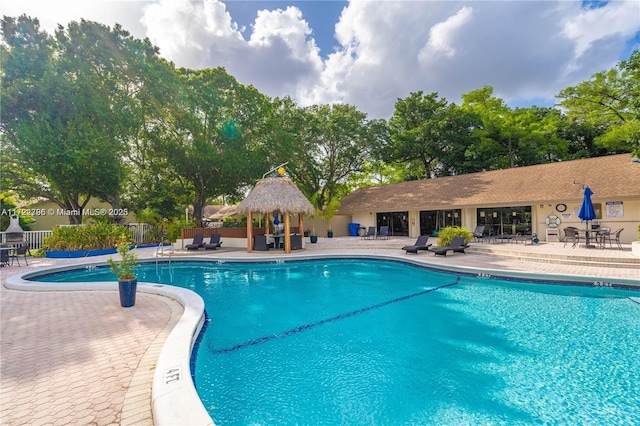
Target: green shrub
(447,234)
(87,237)
(124,268)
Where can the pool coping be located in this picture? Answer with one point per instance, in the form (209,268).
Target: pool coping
(174,399)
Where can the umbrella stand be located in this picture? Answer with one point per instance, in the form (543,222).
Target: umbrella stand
(587,233)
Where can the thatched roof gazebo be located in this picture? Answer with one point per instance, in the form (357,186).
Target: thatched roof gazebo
(275,194)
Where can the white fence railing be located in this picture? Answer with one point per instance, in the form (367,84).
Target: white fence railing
(35,239)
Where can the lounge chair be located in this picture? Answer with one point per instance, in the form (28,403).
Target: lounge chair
(214,243)
(478,233)
(197,242)
(371,233)
(457,246)
(384,233)
(420,244)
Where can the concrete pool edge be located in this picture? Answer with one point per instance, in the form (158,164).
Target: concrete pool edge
(174,397)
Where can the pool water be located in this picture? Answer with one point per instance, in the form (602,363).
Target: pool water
(380,342)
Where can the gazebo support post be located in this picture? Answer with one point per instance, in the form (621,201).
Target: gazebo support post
(287,233)
(249,233)
(300,224)
(267,219)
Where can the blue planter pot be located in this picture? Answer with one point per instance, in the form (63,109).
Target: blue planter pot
(314,239)
(127,290)
(329,234)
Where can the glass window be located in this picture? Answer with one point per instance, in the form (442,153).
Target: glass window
(431,221)
(505,220)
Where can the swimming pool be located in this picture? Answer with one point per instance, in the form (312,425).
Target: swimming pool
(380,342)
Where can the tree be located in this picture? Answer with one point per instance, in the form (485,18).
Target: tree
(508,138)
(428,137)
(609,101)
(209,139)
(68,110)
(325,145)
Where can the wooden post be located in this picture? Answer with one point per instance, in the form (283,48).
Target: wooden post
(300,224)
(267,218)
(287,233)
(249,233)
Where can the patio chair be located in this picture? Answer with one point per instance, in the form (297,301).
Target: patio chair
(457,246)
(197,242)
(4,255)
(20,251)
(602,236)
(371,233)
(478,233)
(260,243)
(384,233)
(571,234)
(213,243)
(420,244)
(296,242)
(617,237)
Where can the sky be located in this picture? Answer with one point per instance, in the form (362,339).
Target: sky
(371,53)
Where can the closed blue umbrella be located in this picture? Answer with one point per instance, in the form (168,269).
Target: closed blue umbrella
(587,212)
(276,221)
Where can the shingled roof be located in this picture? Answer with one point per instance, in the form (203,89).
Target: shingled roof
(612,177)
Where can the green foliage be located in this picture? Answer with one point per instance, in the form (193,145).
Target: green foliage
(8,208)
(448,233)
(86,237)
(326,145)
(609,100)
(125,267)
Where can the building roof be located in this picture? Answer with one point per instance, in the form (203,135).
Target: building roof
(275,194)
(612,177)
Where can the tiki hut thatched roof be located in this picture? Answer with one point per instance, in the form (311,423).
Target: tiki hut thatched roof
(275,194)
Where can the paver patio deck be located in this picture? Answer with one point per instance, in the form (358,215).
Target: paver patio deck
(77,357)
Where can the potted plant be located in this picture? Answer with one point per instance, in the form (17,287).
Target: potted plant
(329,233)
(313,237)
(124,270)
(306,232)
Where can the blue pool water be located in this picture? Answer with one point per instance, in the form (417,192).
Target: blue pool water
(379,342)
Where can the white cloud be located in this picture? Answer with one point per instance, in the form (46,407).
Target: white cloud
(618,18)
(385,49)
(522,49)
(278,57)
(442,36)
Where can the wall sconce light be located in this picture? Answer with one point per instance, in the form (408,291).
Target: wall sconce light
(514,213)
(455,215)
(481,214)
(495,214)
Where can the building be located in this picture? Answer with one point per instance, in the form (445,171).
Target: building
(541,199)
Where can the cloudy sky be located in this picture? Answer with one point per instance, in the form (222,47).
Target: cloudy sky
(370,53)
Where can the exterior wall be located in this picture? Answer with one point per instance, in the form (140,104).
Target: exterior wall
(629,221)
(539,212)
(48,215)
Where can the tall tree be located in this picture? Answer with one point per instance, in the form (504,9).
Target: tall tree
(610,101)
(326,145)
(68,110)
(428,136)
(211,136)
(508,138)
